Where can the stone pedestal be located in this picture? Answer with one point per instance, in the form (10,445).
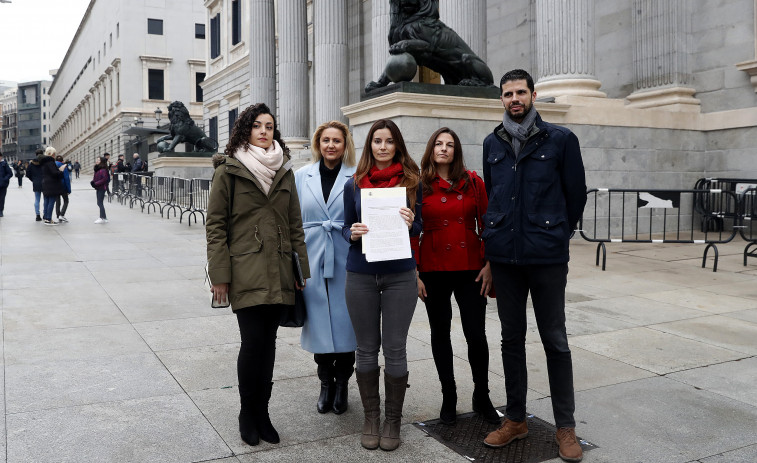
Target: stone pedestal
(182,165)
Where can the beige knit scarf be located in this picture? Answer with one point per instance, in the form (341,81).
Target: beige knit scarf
(263,164)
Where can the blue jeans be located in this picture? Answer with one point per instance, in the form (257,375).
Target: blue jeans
(37,197)
(100,199)
(49,206)
(546,283)
(381,308)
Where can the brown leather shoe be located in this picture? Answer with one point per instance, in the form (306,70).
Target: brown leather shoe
(570,449)
(508,432)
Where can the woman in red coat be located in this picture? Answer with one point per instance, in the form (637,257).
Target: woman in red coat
(450,260)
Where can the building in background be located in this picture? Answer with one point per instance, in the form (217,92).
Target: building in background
(8,121)
(127,60)
(650,109)
(26,119)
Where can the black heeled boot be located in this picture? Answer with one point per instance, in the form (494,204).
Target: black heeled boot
(343,373)
(448,413)
(483,406)
(266,431)
(248,430)
(328,389)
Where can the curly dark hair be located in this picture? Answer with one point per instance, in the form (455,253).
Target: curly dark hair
(240,135)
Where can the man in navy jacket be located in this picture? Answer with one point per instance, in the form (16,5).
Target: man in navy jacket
(6,174)
(536,184)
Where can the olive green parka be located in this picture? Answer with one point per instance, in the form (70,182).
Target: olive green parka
(263,231)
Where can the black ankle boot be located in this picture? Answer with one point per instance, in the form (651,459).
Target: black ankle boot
(448,413)
(483,406)
(340,397)
(326,398)
(248,429)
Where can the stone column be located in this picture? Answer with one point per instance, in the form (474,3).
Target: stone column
(565,48)
(331,60)
(293,72)
(380,20)
(262,47)
(660,56)
(468,19)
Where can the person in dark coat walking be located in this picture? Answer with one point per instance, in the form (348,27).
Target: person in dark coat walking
(77,168)
(20,171)
(6,174)
(34,173)
(52,184)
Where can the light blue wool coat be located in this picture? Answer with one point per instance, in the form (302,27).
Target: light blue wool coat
(328,327)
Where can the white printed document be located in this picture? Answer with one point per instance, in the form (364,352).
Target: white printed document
(387,237)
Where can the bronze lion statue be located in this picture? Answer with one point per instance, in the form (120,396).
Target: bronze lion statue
(184,130)
(415,28)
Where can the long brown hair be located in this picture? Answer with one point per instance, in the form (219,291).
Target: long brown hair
(457,170)
(240,134)
(411,176)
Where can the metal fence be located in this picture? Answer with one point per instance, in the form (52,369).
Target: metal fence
(748,227)
(656,216)
(165,194)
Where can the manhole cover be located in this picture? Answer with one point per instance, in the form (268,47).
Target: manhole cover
(466,437)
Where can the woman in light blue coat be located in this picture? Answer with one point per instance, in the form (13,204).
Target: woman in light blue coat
(328,332)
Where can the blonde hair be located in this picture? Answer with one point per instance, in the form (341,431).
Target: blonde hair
(50,151)
(348,158)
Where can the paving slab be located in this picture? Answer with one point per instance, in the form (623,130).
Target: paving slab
(157,429)
(160,335)
(706,301)
(85,381)
(746,315)
(735,379)
(746,454)
(658,420)
(153,300)
(716,330)
(637,310)
(653,350)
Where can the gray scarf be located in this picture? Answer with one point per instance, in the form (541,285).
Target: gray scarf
(519,132)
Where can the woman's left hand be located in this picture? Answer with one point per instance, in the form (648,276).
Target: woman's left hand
(408,216)
(485,276)
(297,285)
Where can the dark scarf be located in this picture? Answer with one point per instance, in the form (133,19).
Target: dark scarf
(384,178)
(519,131)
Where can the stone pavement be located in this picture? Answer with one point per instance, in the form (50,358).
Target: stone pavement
(111,353)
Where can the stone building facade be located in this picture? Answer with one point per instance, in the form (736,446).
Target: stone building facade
(126,60)
(659,93)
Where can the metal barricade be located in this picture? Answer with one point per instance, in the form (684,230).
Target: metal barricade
(200,195)
(182,197)
(139,190)
(120,185)
(748,228)
(655,216)
(713,213)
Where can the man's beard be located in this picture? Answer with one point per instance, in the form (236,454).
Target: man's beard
(526,108)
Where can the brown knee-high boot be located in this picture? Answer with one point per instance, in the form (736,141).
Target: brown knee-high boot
(368,383)
(395,388)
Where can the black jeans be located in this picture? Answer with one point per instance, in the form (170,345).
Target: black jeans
(439,289)
(3,192)
(257,326)
(100,200)
(61,211)
(546,283)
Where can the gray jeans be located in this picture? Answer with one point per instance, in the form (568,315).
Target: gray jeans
(369,298)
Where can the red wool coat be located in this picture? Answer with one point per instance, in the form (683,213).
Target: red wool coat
(449,241)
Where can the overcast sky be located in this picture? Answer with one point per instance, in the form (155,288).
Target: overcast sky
(35,35)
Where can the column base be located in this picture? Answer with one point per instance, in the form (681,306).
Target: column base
(676,99)
(299,151)
(576,87)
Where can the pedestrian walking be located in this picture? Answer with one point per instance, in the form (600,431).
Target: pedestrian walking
(327,331)
(34,173)
(100,183)
(450,261)
(60,212)
(253,226)
(6,174)
(20,171)
(52,184)
(381,296)
(536,185)
(77,168)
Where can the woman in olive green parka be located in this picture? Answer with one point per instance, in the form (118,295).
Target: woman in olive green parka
(250,253)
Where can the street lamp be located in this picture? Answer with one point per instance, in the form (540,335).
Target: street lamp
(158,112)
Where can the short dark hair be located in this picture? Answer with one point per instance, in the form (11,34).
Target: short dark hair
(517,74)
(39,151)
(106,154)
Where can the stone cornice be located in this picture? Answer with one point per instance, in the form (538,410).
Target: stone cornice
(230,69)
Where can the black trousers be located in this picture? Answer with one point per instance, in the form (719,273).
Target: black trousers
(61,211)
(258,326)
(546,283)
(439,289)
